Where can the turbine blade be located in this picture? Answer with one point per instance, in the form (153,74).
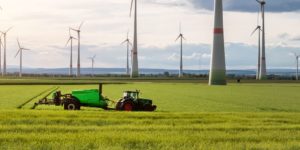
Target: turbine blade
(72,37)
(124,42)
(8,29)
(17,53)
(258,13)
(254,30)
(131,6)
(73,29)
(69,31)
(179,27)
(26,49)
(19,43)
(178,38)
(94,56)
(183,37)
(295,54)
(68,42)
(80,25)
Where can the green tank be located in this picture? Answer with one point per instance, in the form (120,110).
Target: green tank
(78,98)
(90,98)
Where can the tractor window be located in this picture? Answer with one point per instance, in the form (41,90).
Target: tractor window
(130,94)
(125,94)
(134,95)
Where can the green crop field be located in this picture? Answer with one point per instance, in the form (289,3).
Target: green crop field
(189,116)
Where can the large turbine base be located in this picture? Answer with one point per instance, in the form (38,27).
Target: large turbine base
(217,77)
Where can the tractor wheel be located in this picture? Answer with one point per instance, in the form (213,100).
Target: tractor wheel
(149,107)
(71,104)
(128,106)
(119,105)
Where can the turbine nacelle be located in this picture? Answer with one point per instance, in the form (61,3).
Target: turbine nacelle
(262,2)
(92,58)
(70,38)
(296,55)
(180,33)
(76,30)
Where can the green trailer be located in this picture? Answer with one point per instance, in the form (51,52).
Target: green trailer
(94,98)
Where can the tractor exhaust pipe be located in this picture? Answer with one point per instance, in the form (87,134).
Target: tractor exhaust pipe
(100,88)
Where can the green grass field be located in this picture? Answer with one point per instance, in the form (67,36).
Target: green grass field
(189,116)
(25,129)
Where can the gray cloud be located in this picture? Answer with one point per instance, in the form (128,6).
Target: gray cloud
(297,38)
(251,5)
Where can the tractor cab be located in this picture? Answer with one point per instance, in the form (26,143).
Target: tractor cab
(132,102)
(132,94)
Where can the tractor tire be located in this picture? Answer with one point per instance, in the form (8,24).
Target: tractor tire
(149,107)
(128,106)
(119,106)
(71,104)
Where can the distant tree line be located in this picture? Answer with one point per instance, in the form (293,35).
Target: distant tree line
(161,75)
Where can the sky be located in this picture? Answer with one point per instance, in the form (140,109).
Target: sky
(42,26)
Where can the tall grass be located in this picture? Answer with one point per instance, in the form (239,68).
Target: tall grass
(27,129)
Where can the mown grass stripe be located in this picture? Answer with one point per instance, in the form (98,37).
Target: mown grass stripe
(34,97)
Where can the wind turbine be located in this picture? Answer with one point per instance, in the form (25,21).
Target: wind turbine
(1,44)
(128,43)
(20,52)
(263,67)
(181,37)
(4,50)
(258,29)
(93,61)
(70,40)
(297,61)
(217,75)
(78,37)
(134,55)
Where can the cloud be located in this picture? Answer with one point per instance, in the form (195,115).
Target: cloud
(297,38)
(251,5)
(168,3)
(284,36)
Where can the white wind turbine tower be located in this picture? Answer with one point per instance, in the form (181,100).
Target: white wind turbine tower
(4,50)
(20,52)
(1,44)
(70,40)
(297,65)
(258,29)
(181,37)
(78,37)
(134,52)
(263,67)
(217,75)
(93,62)
(128,44)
